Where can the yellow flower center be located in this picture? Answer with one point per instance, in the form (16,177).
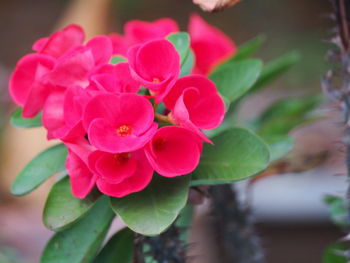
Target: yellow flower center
(124,130)
(156,80)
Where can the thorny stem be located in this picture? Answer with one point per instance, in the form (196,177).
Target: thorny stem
(138,251)
(340,90)
(168,247)
(232,223)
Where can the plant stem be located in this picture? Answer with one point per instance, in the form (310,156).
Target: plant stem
(168,247)
(162,118)
(232,223)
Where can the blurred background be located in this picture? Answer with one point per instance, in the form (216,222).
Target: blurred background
(292,220)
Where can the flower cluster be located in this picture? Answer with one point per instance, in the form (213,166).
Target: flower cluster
(121,122)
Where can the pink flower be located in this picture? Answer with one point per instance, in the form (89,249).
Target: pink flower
(28,86)
(76,66)
(63,111)
(53,112)
(82,180)
(81,177)
(120,44)
(115,78)
(195,103)
(118,123)
(210,45)
(138,31)
(174,151)
(121,174)
(93,107)
(60,42)
(114,174)
(156,65)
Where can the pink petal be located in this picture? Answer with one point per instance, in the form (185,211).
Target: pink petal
(174,151)
(104,83)
(181,116)
(81,178)
(75,100)
(62,115)
(53,117)
(61,42)
(121,76)
(106,106)
(209,44)
(104,137)
(206,113)
(136,111)
(101,48)
(82,148)
(40,43)
(73,69)
(141,31)
(154,64)
(135,183)
(69,133)
(119,43)
(120,109)
(205,110)
(157,59)
(124,78)
(36,99)
(29,70)
(114,168)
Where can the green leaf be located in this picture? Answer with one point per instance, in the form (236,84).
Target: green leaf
(236,154)
(333,254)
(279,146)
(276,68)
(81,242)
(62,209)
(154,209)
(181,41)
(184,221)
(117,59)
(187,66)
(249,48)
(286,114)
(338,209)
(244,51)
(119,249)
(20,122)
(234,79)
(46,164)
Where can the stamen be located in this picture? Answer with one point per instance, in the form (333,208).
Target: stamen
(156,80)
(124,130)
